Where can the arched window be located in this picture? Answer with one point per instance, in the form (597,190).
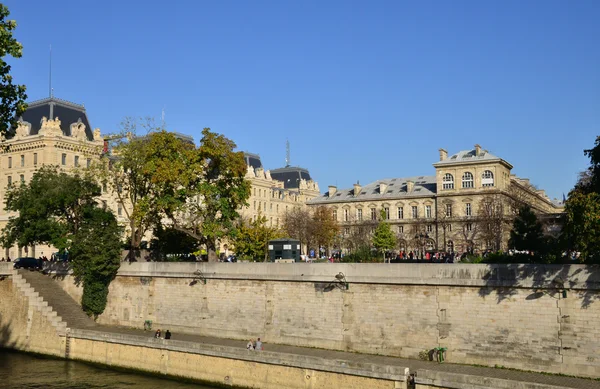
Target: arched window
(448,181)
(487,178)
(467,180)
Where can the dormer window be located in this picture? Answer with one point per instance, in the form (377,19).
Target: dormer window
(467,180)
(448,181)
(487,179)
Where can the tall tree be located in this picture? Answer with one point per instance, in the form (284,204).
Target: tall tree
(13,95)
(324,228)
(201,190)
(252,236)
(60,209)
(492,219)
(383,237)
(95,254)
(527,233)
(50,207)
(297,225)
(126,173)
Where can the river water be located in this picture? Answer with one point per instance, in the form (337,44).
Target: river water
(20,370)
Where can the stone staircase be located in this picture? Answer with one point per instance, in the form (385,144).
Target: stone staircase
(53,302)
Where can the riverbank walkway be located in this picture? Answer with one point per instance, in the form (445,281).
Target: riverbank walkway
(414,364)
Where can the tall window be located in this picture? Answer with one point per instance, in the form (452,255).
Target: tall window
(22,160)
(468,210)
(467,180)
(9,162)
(387,212)
(104,187)
(400,229)
(400,213)
(429,228)
(415,212)
(448,210)
(64,159)
(35,158)
(373,214)
(76,161)
(9,181)
(359,216)
(119,210)
(334,213)
(265,206)
(469,227)
(346,215)
(22,177)
(448,181)
(487,179)
(254,205)
(88,163)
(428,211)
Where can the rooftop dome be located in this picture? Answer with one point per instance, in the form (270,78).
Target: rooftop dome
(290,176)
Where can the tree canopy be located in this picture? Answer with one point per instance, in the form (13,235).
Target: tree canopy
(252,236)
(383,237)
(61,210)
(13,95)
(527,233)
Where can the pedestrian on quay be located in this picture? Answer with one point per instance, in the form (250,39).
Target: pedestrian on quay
(258,346)
(250,345)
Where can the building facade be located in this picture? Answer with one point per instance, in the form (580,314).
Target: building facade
(275,192)
(50,132)
(467,206)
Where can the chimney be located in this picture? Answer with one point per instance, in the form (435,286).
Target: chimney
(443,154)
(332,190)
(382,188)
(477,150)
(409,186)
(356,189)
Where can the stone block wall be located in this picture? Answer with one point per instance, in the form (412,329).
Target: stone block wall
(509,316)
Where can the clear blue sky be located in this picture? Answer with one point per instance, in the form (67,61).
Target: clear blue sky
(363,90)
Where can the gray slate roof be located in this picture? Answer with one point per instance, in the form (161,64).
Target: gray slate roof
(468,156)
(424,186)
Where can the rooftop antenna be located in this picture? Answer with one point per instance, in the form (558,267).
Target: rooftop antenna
(51,91)
(287,153)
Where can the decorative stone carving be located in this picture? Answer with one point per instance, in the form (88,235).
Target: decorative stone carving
(98,136)
(250,172)
(78,131)
(23,129)
(268,175)
(50,127)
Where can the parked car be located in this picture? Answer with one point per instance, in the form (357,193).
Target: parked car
(27,263)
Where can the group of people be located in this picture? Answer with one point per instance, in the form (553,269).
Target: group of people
(252,345)
(53,258)
(428,256)
(158,335)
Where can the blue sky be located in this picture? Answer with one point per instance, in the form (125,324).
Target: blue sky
(363,90)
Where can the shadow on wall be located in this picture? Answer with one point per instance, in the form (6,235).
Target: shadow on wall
(5,342)
(553,280)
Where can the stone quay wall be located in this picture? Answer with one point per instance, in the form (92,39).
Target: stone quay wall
(531,317)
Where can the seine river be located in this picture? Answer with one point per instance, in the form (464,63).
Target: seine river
(18,370)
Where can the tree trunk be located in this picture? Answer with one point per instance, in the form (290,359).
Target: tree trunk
(211,250)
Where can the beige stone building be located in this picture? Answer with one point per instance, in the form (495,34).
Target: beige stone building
(467,205)
(274,192)
(51,132)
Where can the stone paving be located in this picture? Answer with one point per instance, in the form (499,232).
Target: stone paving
(413,364)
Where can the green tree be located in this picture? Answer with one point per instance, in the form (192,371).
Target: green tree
(527,233)
(13,95)
(201,191)
(383,237)
(589,181)
(61,210)
(297,225)
(251,238)
(50,208)
(127,172)
(323,227)
(95,254)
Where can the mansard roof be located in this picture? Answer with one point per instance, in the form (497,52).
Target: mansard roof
(51,108)
(291,176)
(396,188)
(470,156)
(253,160)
